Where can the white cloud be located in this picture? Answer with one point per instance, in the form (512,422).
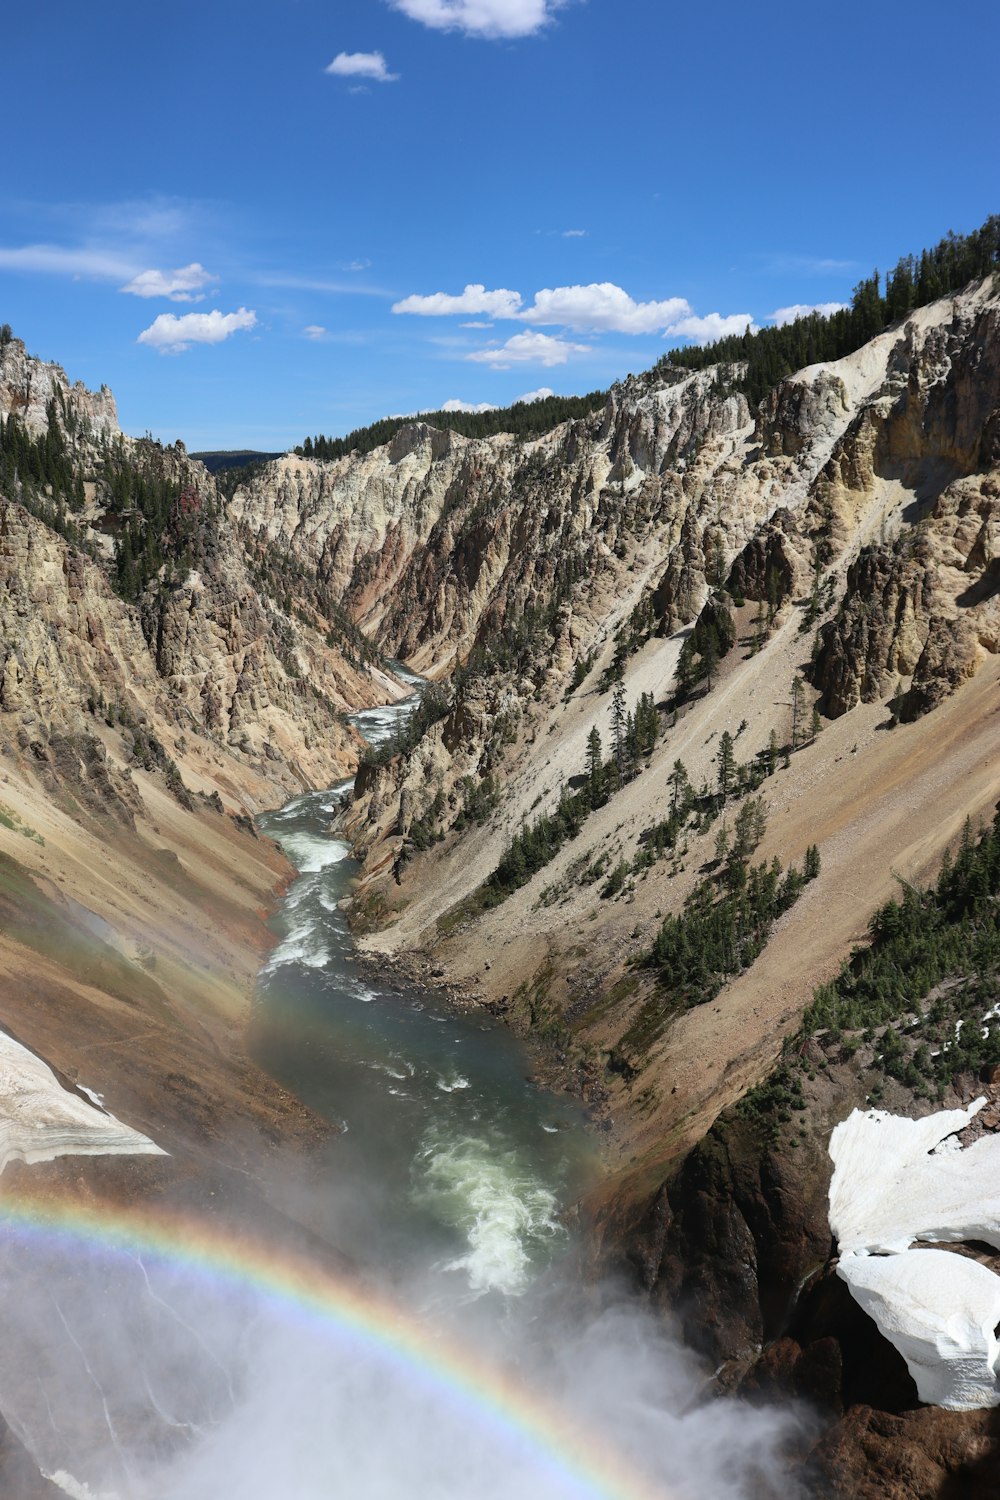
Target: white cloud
(472,406)
(182,285)
(574,234)
(315,331)
(601,307)
(528,349)
(485,18)
(711,327)
(171,334)
(541,394)
(102,265)
(604,307)
(361,65)
(475,299)
(783,315)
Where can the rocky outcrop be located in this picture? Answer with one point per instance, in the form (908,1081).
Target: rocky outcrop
(927,1454)
(28,385)
(923,607)
(734,1234)
(205,662)
(219,665)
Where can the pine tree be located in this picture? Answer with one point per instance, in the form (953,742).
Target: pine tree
(798,707)
(726,762)
(647,723)
(631,748)
(684,676)
(680,789)
(759,629)
(749,828)
(710,658)
(759,819)
(618,727)
(596,778)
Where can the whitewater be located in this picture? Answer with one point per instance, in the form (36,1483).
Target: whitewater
(471,1163)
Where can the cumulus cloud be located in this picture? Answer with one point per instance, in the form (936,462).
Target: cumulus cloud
(369,65)
(314,331)
(475,299)
(604,307)
(599,307)
(528,349)
(542,394)
(476,323)
(181,285)
(711,327)
(483,18)
(455,404)
(783,315)
(170,334)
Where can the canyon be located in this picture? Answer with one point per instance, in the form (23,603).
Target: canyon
(838,543)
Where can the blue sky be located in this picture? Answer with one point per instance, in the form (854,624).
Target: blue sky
(249,246)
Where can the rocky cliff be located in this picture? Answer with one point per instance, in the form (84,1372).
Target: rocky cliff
(28,385)
(196,654)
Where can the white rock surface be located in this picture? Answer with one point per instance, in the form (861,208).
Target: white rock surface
(897,1180)
(940,1311)
(40,1120)
(28,384)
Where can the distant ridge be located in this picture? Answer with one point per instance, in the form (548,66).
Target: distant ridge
(215,460)
(523,419)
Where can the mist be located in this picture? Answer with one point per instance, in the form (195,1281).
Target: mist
(138,1377)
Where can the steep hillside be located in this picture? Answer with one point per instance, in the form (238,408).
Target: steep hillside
(844,536)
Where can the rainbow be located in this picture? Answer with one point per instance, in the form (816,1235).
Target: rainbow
(293,1284)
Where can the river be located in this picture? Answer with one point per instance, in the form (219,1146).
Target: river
(178,1357)
(448,1153)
